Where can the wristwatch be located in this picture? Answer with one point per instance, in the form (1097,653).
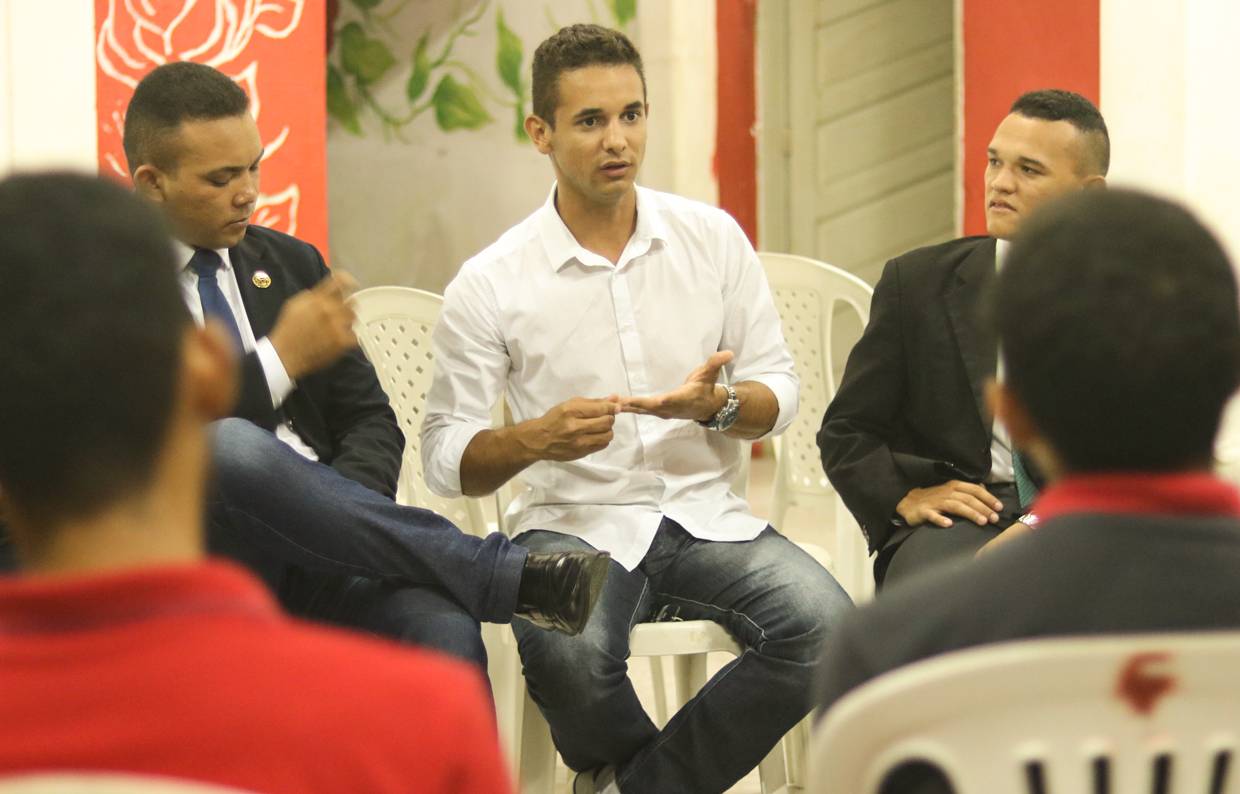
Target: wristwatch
(1029,519)
(727,415)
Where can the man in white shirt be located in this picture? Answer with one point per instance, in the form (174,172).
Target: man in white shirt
(587,317)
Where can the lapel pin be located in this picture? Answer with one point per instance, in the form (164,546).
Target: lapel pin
(261,279)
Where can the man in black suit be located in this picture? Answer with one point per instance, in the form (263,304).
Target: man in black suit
(907,441)
(305,474)
(1117,316)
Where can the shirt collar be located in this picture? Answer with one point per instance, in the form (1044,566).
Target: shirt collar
(55,603)
(561,247)
(184,253)
(1001,251)
(1180,493)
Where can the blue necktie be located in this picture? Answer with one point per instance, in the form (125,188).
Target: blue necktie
(206,263)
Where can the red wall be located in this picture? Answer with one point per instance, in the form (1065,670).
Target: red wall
(736,158)
(1013,46)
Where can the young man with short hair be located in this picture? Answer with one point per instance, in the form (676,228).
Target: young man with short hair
(1117,316)
(122,650)
(908,441)
(587,317)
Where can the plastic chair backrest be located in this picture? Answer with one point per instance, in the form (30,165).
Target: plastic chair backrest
(394,326)
(808,294)
(105,783)
(1103,715)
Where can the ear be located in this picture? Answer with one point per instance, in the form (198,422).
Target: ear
(1095,182)
(1006,407)
(149,182)
(209,372)
(539,132)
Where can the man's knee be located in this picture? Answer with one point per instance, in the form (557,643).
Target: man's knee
(240,450)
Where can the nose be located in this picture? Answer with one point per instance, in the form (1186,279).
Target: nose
(1002,180)
(613,137)
(248,194)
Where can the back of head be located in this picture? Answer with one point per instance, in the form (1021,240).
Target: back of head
(1055,104)
(1118,321)
(166,97)
(91,328)
(575,47)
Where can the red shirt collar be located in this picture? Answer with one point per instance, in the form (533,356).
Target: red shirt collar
(79,602)
(1180,493)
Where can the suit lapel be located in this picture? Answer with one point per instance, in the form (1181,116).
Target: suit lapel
(261,305)
(978,348)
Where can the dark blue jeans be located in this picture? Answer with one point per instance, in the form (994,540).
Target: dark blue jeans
(778,602)
(336,551)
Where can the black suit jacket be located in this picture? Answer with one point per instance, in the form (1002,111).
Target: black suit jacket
(910,411)
(341,412)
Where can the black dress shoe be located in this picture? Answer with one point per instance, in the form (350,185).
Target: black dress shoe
(558,589)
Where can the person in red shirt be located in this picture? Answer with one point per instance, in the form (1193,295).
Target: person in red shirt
(122,649)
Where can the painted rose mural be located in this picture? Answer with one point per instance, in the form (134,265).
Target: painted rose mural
(272,48)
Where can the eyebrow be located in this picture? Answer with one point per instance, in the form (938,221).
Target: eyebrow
(585,113)
(1022,160)
(236,169)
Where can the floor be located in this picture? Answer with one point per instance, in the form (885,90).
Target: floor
(799,527)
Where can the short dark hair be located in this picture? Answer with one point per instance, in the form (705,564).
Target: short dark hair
(1117,316)
(170,95)
(91,329)
(1055,104)
(574,47)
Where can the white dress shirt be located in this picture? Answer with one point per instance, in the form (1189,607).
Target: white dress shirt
(1001,467)
(278,382)
(539,318)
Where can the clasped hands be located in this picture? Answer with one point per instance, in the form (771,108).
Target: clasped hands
(580,426)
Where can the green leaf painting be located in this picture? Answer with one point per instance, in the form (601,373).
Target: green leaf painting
(362,66)
(508,59)
(338,103)
(421,70)
(364,57)
(457,106)
(624,11)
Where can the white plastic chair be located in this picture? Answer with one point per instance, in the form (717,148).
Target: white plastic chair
(1103,715)
(105,783)
(808,294)
(394,326)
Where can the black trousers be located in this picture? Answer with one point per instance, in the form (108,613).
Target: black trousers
(913,550)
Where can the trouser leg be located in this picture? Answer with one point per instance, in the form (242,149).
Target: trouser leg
(268,501)
(581,683)
(424,616)
(781,605)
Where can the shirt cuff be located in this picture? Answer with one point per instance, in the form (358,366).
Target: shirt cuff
(444,447)
(785,391)
(278,382)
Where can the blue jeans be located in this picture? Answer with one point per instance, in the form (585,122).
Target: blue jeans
(775,599)
(336,551)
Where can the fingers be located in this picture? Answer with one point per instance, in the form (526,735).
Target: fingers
(640,405)
(979,492)
(937,518)
(587,408)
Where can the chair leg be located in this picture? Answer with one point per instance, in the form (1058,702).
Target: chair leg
(796,745)
(659,682)
(772,773)
(690,676)
(537,751)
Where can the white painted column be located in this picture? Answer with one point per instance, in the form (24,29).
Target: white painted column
(677,42)
(1168,83)
(47,85)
